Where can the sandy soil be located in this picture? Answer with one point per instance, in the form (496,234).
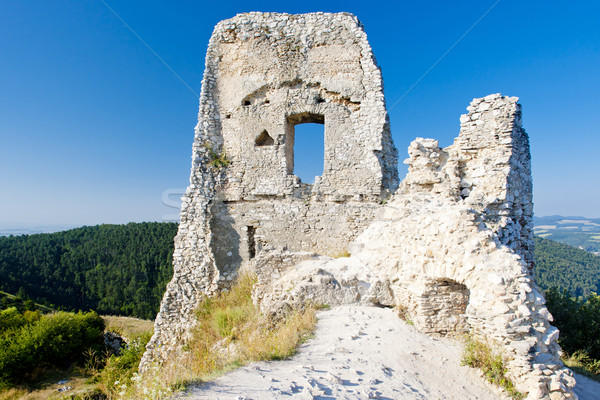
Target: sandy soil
(357,353)
(362,353)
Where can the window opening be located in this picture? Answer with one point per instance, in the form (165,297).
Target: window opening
(250,231)
(306,146)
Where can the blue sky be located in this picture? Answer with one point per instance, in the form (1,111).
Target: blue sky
(95,129)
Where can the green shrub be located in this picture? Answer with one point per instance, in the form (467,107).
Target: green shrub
(45,341)
(478,354)
(119,370)
(11,318)
(578,321)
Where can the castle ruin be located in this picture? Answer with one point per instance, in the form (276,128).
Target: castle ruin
(451,245)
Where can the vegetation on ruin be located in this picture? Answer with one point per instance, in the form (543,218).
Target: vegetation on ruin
(482,355)
(217,160)
(231,332)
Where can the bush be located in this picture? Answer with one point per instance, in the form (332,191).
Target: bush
(11,318)
(478,354)
(119,370)
(56,340)
(578,321)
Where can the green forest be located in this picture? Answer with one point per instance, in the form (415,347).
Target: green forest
(112,269)
(124,269)
(563,267)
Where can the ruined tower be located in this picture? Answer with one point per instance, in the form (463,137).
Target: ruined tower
(451,245)
(265,74)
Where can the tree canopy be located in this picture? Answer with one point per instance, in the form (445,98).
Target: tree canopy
(113,269)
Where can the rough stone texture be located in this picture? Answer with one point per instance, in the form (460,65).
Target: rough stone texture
(266,73)
(452,248)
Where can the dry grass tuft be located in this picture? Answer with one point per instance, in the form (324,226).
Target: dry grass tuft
(583,364)
(230,332)
(481,355)
(127,326)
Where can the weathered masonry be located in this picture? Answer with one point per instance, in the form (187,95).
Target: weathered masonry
(265,74)
(451,245)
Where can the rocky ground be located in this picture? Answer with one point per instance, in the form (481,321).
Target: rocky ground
(363,353)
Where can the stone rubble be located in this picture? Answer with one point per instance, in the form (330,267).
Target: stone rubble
(451,246)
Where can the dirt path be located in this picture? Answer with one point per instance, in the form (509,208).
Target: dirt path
(357,353)
(363,353)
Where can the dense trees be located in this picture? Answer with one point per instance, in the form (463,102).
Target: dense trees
(578,321)
(113,269)
(563,267)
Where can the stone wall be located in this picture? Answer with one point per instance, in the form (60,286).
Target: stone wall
(452,247)
(265,74)
(452,250)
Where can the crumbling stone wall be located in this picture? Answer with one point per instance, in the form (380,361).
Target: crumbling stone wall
(452,250)
(265,74)
(452,247)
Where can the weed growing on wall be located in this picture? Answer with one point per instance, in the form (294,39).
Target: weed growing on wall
(231,331)
(478,354)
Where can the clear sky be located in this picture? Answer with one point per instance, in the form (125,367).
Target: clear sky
(94,128)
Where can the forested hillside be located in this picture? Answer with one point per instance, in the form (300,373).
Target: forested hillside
(566,268)
(124,269)
(113,269)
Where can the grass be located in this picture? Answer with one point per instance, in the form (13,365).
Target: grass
(583,364)
(478,354)
(128,327)
(231,332)
(46,387)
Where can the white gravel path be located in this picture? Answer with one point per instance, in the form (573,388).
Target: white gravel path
(357,353)
(363,353)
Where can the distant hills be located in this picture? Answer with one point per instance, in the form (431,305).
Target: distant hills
(124,269)
(28,229)
(580,232)
(112,269)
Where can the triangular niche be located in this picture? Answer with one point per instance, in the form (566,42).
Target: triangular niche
(264,139)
